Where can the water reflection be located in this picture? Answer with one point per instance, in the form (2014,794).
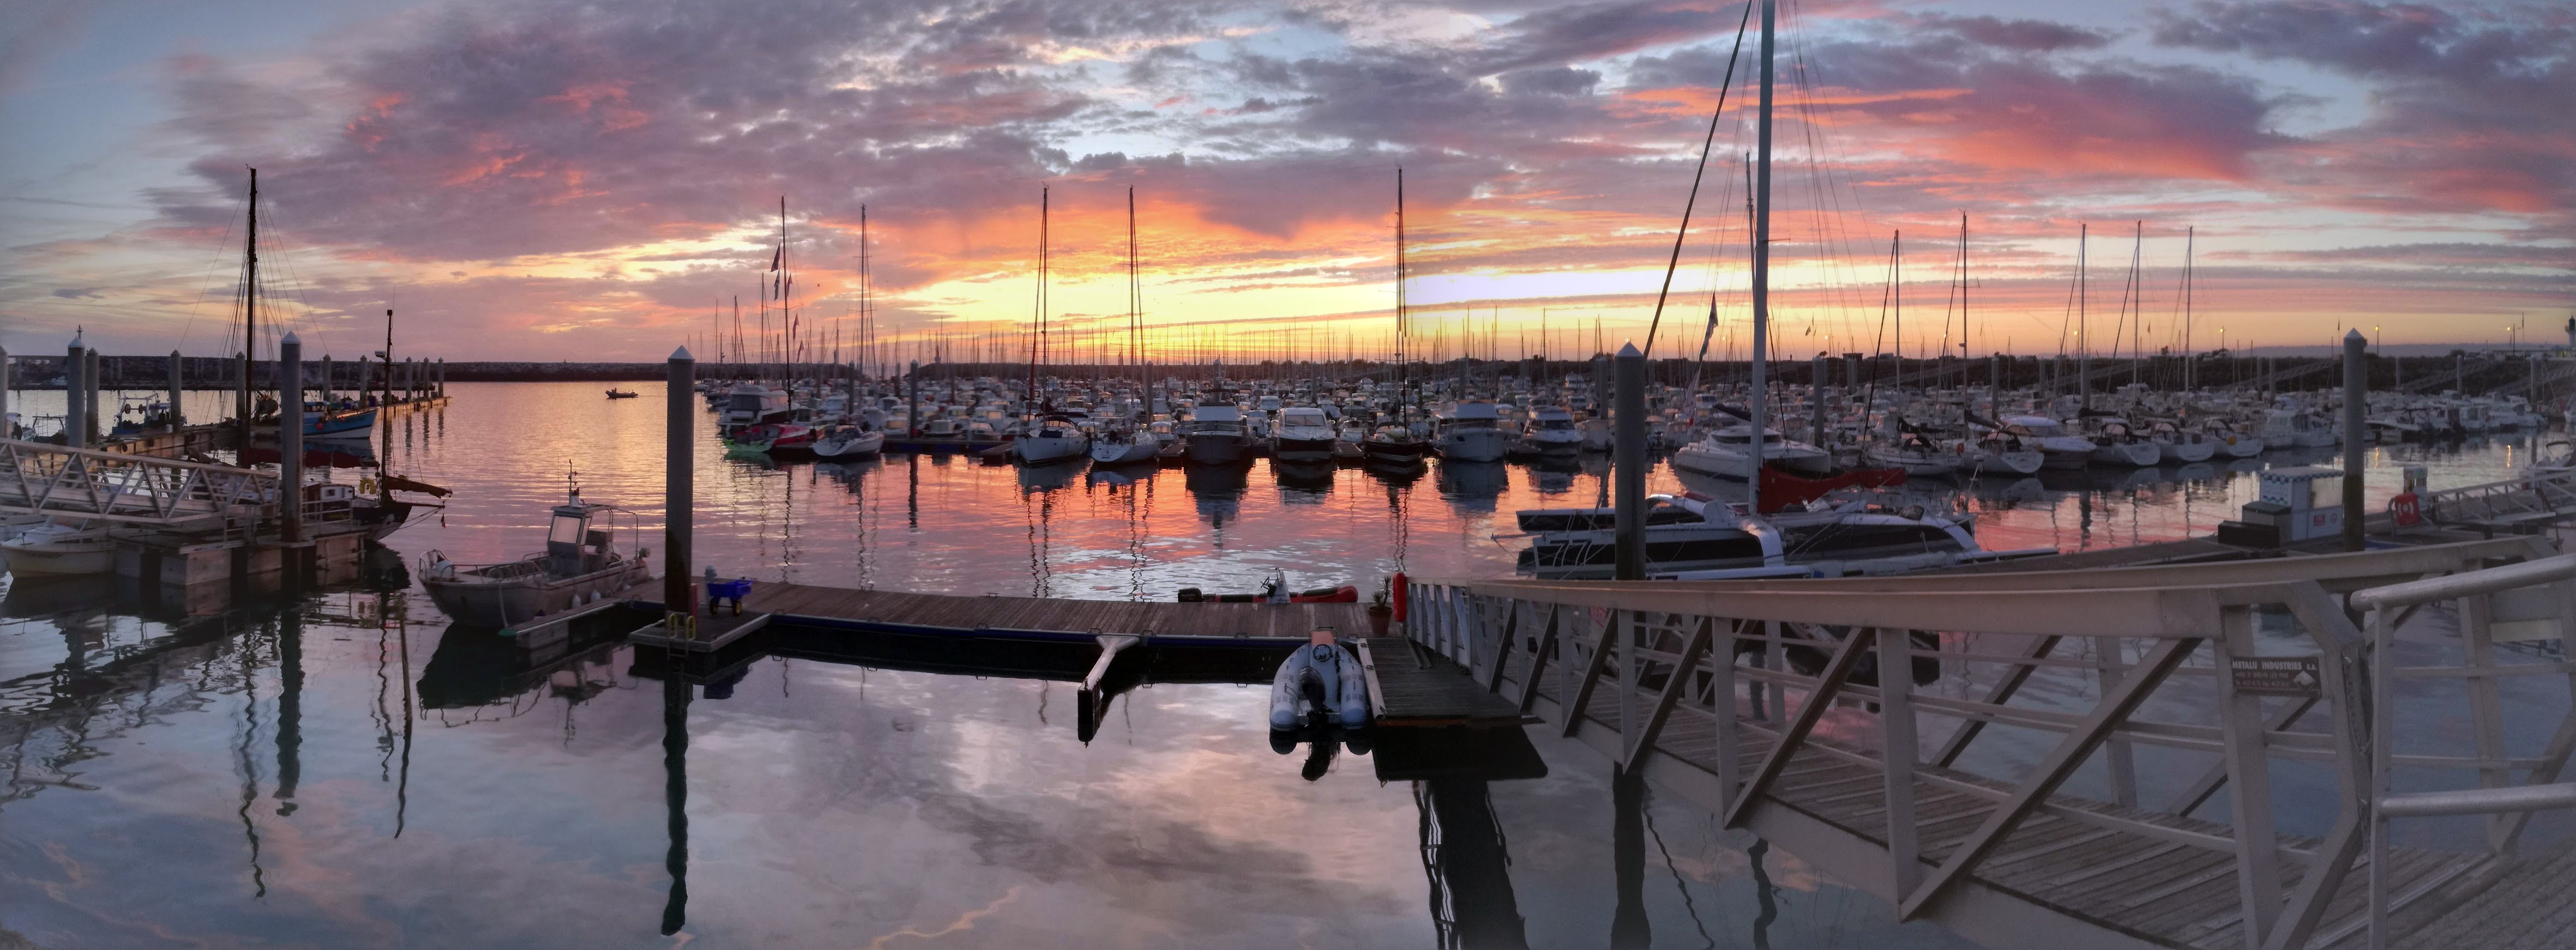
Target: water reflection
(240,769)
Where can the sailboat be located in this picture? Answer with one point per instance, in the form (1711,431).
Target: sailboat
(1056,437)
(1126,440)
(1707,539)
(1392,442)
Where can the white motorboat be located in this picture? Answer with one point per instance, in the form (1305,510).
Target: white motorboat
(750,404)
(1304,435)
(1691,532)
(1215,433)
(580,565)
(56,549)
(2294,429)
(1728,453)
(1472,432)
(1551,431)
(1056,439)
(2058,448)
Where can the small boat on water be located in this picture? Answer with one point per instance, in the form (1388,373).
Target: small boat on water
(1056,439)
(1124,443)
(579,565)
(771,438)
(849,442)
(1320,684)
(57,549)
(621,394)
(1394,444)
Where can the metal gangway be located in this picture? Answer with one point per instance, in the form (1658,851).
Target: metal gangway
(2172,756)
(45,479)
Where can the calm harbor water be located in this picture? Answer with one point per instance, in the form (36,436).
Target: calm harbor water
(345,770)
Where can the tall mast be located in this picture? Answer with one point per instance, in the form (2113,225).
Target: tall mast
(2189,362)
(1762,268)
(2083,344)
(867,342)
(1135,301)
(1037,323)
(1400,328)
(1963,300)
(250,311)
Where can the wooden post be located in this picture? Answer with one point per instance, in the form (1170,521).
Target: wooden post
(75,371)
(2117,753)
(178,386)
(2356,403)
(2249,783)
(1629,467)
(1896,729)
(679,487)
(97,372)
(6,430)
(290,440)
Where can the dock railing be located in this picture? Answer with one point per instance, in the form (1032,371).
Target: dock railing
(2532,602)
(39,478)
(1763,702)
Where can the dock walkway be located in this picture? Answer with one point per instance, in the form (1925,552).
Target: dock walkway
(1763,702)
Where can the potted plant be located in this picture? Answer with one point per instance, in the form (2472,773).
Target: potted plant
(1379,612)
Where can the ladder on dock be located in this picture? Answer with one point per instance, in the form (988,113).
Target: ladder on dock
(1784,707)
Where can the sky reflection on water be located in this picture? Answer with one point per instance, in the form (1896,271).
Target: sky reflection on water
(352,772)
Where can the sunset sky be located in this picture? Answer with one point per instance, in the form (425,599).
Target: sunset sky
(545,179)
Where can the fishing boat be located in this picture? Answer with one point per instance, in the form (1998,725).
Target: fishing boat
(58,549)
(579,565)
(322,420)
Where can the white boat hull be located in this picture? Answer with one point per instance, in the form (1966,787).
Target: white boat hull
(2186,452)
(861,445)
(1475,445)
(2134,454)
(1730,462)
(1125,453)
(1039,450)
(2014,463)
(33,557)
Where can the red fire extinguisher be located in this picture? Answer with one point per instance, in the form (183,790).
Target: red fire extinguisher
(1397,595)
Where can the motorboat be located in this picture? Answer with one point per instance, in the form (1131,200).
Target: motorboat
(622,394)
(2287,428)
(579,565)
(750,404)
(1303,435)
(58,549)
(770,438)
(1728,453)
(1215,433)
(1472,432)
(1551,432)
(2058,448)
(1699,533)
(1057,438)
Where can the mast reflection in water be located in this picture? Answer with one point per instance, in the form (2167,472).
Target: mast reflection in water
(189,768)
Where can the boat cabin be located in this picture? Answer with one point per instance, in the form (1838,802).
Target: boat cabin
(573,546)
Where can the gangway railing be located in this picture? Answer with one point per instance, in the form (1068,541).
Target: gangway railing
(1803,711)
(39,478)
(2531,601)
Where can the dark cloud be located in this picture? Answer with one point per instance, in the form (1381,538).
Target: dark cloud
(78,293)
(2470,110)
(2038,36)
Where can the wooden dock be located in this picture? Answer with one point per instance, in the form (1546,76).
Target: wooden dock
(1762,702)
(1084,621)
(1409,686)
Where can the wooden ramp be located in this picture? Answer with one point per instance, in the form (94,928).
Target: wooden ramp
(1415,687)
(1765,703)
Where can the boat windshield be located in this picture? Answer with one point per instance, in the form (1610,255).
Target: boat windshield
(567,530)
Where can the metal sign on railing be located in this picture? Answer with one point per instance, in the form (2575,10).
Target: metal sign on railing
(2276,675)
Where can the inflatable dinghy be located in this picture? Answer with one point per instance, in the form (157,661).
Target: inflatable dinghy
(1319,684)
